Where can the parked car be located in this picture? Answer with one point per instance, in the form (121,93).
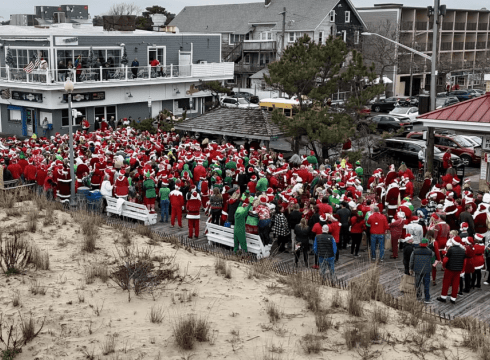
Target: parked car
(384,105)
(475,140)
(389,123)
(458,145)
(243,94)
(405,112)
(475,92)
(442,102)
(240,103)
(480,91)
(410,152)
(462,95)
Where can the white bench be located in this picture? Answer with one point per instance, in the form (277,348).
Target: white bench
(131,210)
(224,235)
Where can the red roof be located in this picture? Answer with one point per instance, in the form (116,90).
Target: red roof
(474,110)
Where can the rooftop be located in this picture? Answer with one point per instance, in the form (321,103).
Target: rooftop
(67,29)
(245,123)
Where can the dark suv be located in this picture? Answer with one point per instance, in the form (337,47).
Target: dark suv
(462,95)
(410,152)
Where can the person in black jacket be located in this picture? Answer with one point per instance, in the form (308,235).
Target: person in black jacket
(326,248)
(302,231)
(242,181)
(453,263)
(407,252)
(344,219)
(315,218)
(421,264)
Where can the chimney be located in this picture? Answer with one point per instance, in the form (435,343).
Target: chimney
(267,2)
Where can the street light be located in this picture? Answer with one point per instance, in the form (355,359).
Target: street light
(425,56)
(149,107)
(69,89)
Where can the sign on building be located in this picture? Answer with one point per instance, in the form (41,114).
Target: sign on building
(485,145)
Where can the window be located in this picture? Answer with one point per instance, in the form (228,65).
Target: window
(347,16)
(65,121)
(235,38)
(356,37)
(265,58)
(271,109)
(105,112)
(332,16)
(22,57)
(287,112)
(15,115)
(246,60)
(68,56)
(293,36)
(344,35)
(320,37)
(182,105)
(158,53)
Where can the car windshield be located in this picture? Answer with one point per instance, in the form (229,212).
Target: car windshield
(242,101)
(440,101)
(400,111)
(462,141)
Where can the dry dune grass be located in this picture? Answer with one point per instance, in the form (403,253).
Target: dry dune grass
(67,297)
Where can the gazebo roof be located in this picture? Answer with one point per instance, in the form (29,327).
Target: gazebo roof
(247,123)
(470,115)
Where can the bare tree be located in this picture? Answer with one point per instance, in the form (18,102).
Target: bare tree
(380,51)
(124,9)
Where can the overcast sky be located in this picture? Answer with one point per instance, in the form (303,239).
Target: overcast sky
(97,7)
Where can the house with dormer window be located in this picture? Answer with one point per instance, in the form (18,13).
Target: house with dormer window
(251,34)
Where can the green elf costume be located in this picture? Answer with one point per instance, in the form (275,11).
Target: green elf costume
(150,193)
(359,170)
(239,233)
(312,160)
(186,170)
(262,184)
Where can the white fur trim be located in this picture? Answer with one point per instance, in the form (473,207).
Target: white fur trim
(453,299)
(193,216)
(478,267)
(452,212)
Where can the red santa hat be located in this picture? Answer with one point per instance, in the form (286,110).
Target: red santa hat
(464,226)
(270,191)
(482,207)
(250,170)
(467,180)
(424,202)
(456,180)
(263,199)
(457,239)
(479,237)
(194,195)
(253,178)
(280,157)
(408,237)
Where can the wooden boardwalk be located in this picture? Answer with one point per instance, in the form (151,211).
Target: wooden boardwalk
(476,303)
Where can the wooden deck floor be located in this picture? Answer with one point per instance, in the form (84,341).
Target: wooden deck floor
(476,303)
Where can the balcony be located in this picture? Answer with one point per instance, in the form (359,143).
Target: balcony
(241,68)
(407,25)
(124,75)
(481,45)
(482,26)
(459,26)
(458,46)
(421,25)
(259,45)
(445,46)
(471,26)
(447,26)
(469,46)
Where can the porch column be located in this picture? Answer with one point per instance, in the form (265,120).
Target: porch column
(429,153)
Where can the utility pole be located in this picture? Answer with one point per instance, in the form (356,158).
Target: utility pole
(283,41)
(435,12)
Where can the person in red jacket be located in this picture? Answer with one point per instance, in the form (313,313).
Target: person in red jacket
(15,169)
(446,159)
(30,172)
(193,206)
(324,207)
(378,227)
(121,186)
(40,177)
(334,227)
(85,125)
(358,225)
(252,185)
(177,204)
(478,260)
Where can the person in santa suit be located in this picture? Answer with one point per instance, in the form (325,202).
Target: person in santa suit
(456,186)
(177,205)
(478,260)
(252,185)
(85,125)
(30,172)
(480,219)
(204,193)
(82,171)
(391,176)
(451,209)
(97,177)
(403,170)
(63,180)
(446,159)
(392,196)
(424,190)
(408,188)
(199,171)
(121,185)
(469,268)
(193,206)
(441,229)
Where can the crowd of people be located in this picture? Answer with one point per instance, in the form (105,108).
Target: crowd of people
(304,205)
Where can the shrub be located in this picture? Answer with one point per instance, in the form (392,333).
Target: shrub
(40,259)
(16,298)
(354,305)
(189,329)
(28,328)
(32,221)
(15,254)
(413,311)
(323,321)
(109,345)
(429,327)
(273,312)
(312,344)
(336,300)
(156,314)
(221,267)
(380,315)
(36,288)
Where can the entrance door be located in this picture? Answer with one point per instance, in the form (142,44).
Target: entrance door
(30,120)
(185,64)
